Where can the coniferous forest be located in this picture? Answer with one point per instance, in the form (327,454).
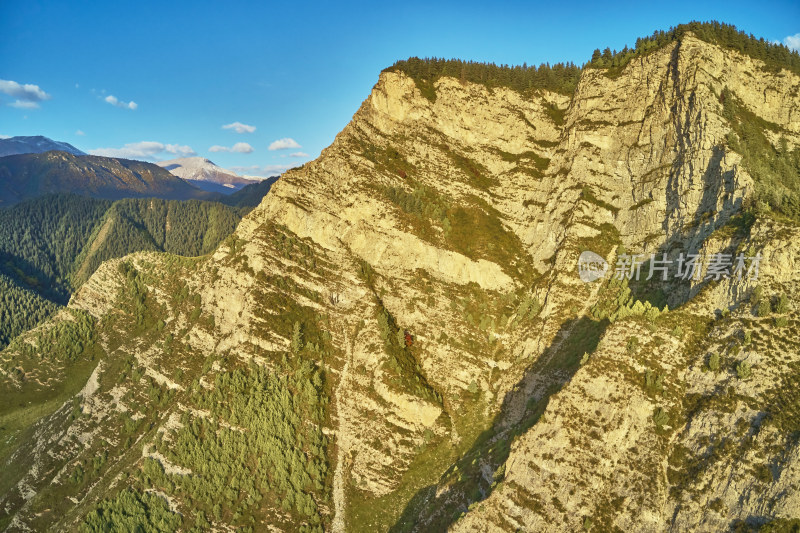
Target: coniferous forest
(560,77)
(50,245)
(563,77)
(774,55)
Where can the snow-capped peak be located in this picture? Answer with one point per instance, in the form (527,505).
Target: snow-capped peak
(205,174)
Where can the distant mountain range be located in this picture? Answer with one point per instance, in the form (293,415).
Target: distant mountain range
(34,145)
(204,174)
(30,175)
(32,172)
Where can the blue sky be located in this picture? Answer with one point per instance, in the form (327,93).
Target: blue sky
(157,80)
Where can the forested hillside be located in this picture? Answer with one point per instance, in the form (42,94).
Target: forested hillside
(40,239)
(50,245)
(20,309)
(188,228)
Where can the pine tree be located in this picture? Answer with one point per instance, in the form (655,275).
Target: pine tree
(297,338)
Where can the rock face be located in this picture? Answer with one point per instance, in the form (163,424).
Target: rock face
(425,266)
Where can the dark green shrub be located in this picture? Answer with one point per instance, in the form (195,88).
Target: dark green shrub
(660,417)
(782,306)
(743,370)
(633,345)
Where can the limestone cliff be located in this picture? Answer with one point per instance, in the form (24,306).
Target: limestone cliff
(417,287)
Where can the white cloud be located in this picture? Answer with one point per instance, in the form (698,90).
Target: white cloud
(177,149)
(147,150)
(793,42)
(238,127)
(239,148)
(298,154)
(27,96)
(113,100)
(283,144)
(24,104)
(262,171)
(79,132)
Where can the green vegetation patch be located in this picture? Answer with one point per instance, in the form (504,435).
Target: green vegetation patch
(775,56)
(21,309)
(559,77)
(386,158)
(776,171)
(617,301)
(262,443)
(470,227)
(402,367)
(588,196)
(132,511)
(477,175)
(528,162)
(42,371)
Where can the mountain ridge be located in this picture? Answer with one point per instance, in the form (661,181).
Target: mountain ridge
(34,144)
(25,176)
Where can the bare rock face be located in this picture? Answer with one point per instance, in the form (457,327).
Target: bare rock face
(425,267)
